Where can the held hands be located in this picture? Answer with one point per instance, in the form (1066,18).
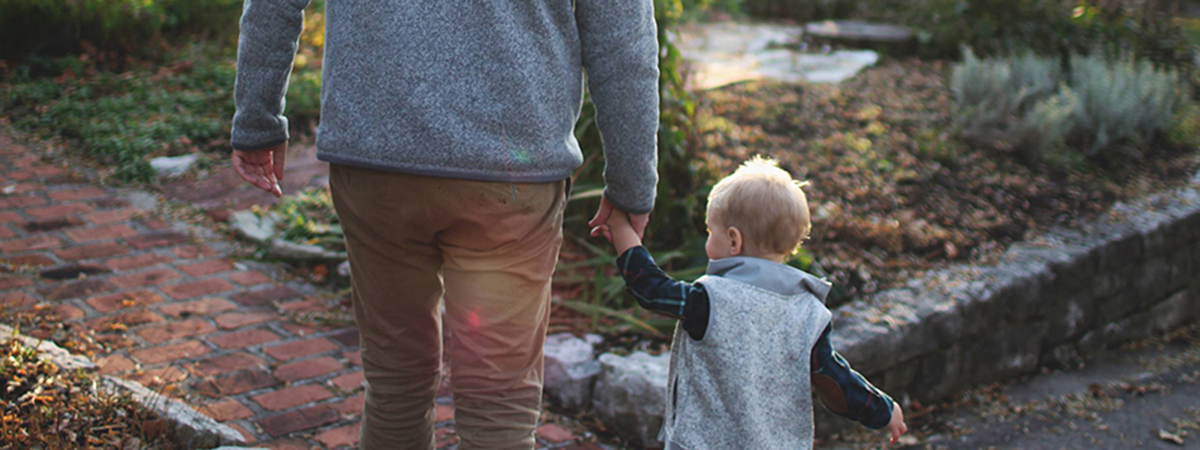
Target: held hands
(619,230)
(624,230)
(262,168)
(896,427)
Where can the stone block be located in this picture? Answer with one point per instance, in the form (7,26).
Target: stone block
(1183,269)
(192,429)
(630,395)
(940,373)
(870,345)
(1010,351)
(1106,285)
(570,371)
(1178,309)
(1120,251)
(1194,250)
(937,324)
(826,423)
(1114,307)
(1068,320)
(897,379)
(252,227)
(1062,357)
(1151,281)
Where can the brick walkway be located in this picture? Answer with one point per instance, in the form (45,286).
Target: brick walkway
(180,316)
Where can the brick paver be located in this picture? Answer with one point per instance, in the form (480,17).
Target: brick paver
(177,313)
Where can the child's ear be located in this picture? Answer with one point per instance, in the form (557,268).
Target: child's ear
(736,243)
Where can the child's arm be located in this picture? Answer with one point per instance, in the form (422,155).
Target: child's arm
(651,287)
(620,232)
(847,393)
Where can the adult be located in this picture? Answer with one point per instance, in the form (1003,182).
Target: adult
(449,129)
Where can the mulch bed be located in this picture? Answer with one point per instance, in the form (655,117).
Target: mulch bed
(44,407)
(893,193)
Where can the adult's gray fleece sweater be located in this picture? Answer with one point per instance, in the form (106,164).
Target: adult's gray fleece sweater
(471,89)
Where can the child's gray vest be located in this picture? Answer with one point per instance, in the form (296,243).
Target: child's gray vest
(746,384)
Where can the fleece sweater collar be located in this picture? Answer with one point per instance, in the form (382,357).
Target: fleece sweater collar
(772,276)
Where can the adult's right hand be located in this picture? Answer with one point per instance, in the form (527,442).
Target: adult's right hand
(639,221)
(262,168)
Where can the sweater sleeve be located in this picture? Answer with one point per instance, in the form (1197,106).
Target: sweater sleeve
(270,34)
(844,391)
(619,41)
(658,292)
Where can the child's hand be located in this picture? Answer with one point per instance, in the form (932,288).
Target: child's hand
(619,231)
(618,221)
(896,427)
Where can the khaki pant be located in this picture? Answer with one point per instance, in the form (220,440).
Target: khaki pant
(489,249)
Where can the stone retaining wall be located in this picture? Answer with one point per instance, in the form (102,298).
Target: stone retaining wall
(1047,302)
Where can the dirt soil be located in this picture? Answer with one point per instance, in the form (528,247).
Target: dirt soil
(893,193)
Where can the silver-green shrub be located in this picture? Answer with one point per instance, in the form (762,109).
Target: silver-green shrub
(1046,126)
(1123,100)
(1028,105)
(997,99)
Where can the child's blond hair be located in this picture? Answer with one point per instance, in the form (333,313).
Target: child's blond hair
(765,204)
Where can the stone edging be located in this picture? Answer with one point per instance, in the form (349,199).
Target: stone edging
(192,429)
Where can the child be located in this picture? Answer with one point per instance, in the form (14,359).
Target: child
(757,330)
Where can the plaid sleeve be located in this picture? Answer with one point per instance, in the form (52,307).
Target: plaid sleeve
(656,291)
(844,391)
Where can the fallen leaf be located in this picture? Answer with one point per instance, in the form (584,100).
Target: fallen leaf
(1170,437)
(951,250)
